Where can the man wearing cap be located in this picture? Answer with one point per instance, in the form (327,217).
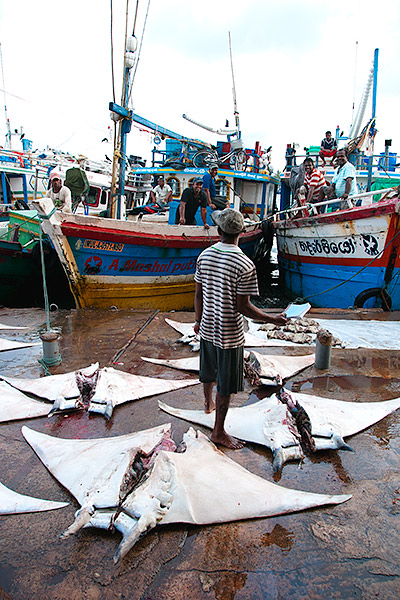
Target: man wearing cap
(210,189)
(161,194)
(225,279)
(191,199)
(59,193)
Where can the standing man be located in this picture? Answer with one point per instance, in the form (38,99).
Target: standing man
(191,199)
(225,279)
(161,194)
(209,187)
(59,193)
(328,147)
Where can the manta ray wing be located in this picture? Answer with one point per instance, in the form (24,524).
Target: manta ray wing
(15,405)
(12,503)
(116,387)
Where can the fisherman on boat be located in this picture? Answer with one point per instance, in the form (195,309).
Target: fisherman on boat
(344,182)
(161,194)
(210,189)
(328,148)
(314,182)
(59,193)
(191,199)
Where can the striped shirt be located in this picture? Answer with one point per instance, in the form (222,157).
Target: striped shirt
(315,178)
(224,272)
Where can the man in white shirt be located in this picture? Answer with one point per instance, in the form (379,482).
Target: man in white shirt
(59,193)
(161,194)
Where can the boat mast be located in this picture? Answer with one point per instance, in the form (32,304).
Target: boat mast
(235,110)
(123,115)
(8,134)
(374,90)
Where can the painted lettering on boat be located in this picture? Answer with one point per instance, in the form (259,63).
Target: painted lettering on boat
(170,267)
(93,264)
(346,246)
(101,245)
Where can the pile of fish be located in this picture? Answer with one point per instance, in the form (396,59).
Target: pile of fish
(299,331)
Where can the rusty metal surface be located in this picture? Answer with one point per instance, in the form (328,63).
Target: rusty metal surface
(346,551)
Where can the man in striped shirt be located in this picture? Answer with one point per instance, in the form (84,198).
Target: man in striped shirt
(225,279)
(313,182)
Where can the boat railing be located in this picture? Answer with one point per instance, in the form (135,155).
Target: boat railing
(308,209)
(359,160)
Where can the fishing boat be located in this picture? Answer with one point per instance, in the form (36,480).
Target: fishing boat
(348,257)
(148,261)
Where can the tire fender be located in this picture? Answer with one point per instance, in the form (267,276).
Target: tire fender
(374,293)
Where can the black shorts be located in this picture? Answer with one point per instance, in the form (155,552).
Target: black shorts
(223,365)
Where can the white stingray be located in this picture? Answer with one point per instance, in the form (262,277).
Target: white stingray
(267,422)
(12,345)
(177,489)
(251,341)
(271,367)
(4,326)
(52,387)
(113,388)
(15,405)
(116,387)
(12,503)
(95,470)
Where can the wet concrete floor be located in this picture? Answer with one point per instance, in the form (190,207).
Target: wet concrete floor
(345,551)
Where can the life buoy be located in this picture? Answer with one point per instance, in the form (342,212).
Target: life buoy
(157,140)
(380,294)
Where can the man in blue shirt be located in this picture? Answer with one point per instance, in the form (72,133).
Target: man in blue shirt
(343,183)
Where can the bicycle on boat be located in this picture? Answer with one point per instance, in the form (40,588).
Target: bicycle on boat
(237,158)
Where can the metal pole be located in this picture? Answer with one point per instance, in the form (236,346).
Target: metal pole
(375,82)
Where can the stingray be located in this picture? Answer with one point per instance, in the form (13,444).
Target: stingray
(12,503)
(15,405)
(97,391)
(174,488)
(12,345)
(269,369)
(269,423)
(251,341)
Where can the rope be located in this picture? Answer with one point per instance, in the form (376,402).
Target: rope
(46,297)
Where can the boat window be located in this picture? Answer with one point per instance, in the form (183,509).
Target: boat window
(221,188)
(103,199)
(175,186)
(92,196)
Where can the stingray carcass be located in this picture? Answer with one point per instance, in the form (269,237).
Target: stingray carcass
(259,368)
(96,390)
(12,503)
(189,337)
(175,488)
(98,472)
(268,422)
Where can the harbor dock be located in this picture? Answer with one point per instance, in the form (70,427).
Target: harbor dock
(334,552)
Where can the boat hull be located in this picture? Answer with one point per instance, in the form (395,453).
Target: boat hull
(133,264)
(337,260)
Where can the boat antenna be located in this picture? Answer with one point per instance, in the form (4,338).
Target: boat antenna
(139,52)
(235,110)
(354,86)
(8,134)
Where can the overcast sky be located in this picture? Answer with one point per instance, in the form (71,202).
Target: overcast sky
(298,69)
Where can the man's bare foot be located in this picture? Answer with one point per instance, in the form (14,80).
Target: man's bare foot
(227,440)
(209,406)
